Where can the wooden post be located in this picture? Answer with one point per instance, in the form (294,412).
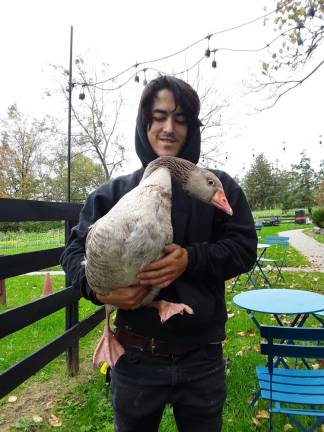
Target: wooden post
(71,318)
(3,298)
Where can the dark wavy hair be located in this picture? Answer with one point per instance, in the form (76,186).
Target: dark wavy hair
(184,95)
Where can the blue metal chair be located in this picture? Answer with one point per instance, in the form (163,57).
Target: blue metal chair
(280,250)
(258,226)
(294,392)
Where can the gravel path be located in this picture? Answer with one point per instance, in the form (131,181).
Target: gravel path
(310,248)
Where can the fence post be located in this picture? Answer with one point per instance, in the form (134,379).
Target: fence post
(3,297)
(71,318)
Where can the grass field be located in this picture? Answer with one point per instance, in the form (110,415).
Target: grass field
(81,403)
(317,237)
(84,406)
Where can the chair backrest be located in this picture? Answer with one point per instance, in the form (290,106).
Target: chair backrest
(277,240)
(280,244)
(259,224)
(291,349)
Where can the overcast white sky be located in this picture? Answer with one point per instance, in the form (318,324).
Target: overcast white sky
(35,33)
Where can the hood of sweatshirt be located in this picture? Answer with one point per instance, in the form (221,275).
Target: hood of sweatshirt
(190,151)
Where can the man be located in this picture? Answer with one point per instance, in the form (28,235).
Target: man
(181,361)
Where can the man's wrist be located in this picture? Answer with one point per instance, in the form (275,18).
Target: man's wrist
(96,299)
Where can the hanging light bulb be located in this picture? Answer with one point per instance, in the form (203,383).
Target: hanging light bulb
(207,52)
(82,95)
(144,80)
(284,146)
(311,12)
(214,64)
(136,78)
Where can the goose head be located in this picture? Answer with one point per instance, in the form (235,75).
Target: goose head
(197,182)
(206,186)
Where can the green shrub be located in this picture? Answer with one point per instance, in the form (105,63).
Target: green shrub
(32,226)
(318,217)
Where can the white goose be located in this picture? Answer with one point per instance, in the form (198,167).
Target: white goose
(134,233)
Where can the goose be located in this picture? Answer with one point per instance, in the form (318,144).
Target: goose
(134,233)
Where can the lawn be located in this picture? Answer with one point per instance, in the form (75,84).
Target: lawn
(81,403)
(21,242)
(83,406)
(317,237)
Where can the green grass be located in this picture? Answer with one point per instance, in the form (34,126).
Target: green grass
(275,212)
(294,258)
(317,237)
(85,407)
(21,290)
(20,242)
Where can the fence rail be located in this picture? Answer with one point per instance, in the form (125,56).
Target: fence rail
(18,318)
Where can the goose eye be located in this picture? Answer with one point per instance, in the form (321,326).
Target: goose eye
(210,182)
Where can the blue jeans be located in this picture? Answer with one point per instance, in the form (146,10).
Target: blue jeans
(193,383)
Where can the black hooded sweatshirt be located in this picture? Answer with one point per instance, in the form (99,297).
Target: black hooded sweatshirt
(219,247)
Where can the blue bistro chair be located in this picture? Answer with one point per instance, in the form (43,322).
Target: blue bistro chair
(294,392)
(280,248)
(258,226)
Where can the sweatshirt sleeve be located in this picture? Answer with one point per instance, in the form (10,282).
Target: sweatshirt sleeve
(234,251)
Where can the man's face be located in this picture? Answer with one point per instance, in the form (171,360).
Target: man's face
(168,132)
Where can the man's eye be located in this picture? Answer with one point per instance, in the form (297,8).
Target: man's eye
(210,182)
(181,119)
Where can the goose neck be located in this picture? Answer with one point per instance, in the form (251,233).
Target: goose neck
(179,168)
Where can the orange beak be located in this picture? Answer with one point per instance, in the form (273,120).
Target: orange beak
(220,201)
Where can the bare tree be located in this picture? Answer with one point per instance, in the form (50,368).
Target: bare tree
(95,118)
(212,104)
(300,24)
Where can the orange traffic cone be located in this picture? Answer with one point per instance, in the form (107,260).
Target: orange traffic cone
(47,289)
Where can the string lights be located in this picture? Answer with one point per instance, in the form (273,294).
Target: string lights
(207,54)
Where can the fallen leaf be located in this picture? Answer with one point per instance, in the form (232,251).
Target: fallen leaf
(256,348)
(241,333)
(316,366)
(230,315)
(239,354)
(54,421)
(251,332)
(287,427)
(262,414)
(37,419)
(256,423)
(49,405)
(12,399)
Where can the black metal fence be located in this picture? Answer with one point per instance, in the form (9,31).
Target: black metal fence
(18,318)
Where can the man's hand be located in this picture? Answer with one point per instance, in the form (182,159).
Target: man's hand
(162,272)
(125,298)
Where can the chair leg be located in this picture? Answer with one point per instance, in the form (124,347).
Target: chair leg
(237,280)
(319,421)
(279,274)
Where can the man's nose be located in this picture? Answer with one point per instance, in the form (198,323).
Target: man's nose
(168,125)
